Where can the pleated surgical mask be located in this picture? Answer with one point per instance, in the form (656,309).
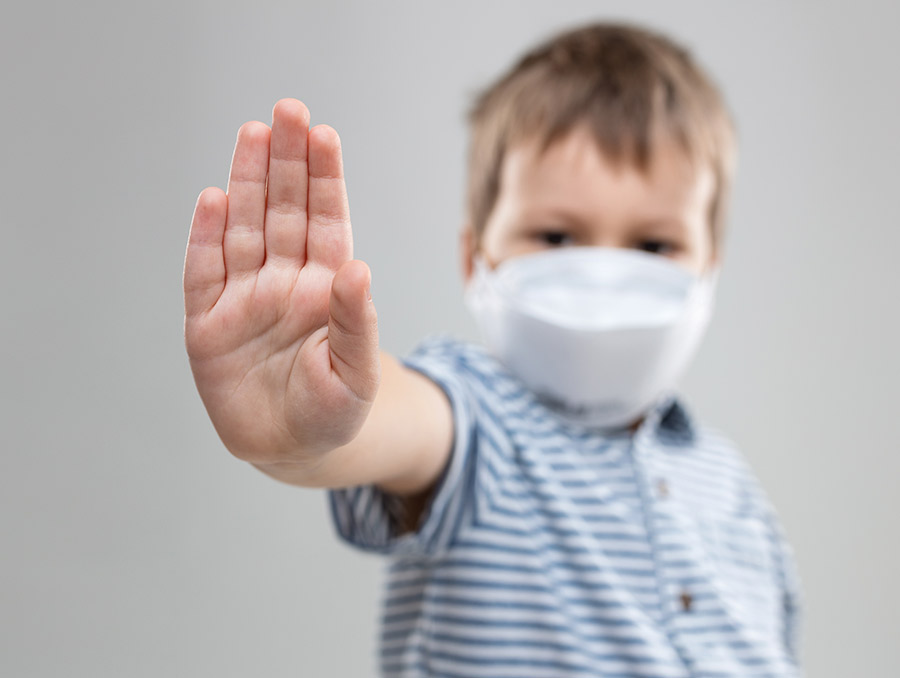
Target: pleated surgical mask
(599,334)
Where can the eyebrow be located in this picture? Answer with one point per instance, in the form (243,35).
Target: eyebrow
(663,223)
(560,215)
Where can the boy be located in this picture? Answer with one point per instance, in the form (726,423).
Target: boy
(549,506)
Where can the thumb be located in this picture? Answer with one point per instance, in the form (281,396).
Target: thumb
(353,330)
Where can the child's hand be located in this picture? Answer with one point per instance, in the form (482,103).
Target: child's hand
(280,331)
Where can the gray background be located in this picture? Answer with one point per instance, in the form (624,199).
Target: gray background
(133,544)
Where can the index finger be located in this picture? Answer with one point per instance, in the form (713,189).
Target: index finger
(329,240)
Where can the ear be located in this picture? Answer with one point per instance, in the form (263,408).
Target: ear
(467,248)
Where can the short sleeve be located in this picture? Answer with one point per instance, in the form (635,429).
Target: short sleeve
(366,517)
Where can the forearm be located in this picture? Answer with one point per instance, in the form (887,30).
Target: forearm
(402,446)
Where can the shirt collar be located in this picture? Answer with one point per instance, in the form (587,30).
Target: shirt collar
(673,424)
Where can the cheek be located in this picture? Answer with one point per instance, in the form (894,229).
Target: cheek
(693,262)
(498,243)
(700,256)
(695,254)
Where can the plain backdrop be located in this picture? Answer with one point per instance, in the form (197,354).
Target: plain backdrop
(134,544)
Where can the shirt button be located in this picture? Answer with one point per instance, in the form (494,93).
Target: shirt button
(686,601)
(662,488)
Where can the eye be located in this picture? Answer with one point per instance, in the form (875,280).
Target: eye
(554,238)
(663,247)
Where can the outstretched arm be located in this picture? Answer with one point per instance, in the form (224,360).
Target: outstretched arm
(281,331)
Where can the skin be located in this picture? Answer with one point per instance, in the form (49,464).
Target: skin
(571,195)
(281,330)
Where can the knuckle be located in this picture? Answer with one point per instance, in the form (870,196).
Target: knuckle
(286,208)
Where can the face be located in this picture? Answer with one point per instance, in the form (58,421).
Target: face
(571,196)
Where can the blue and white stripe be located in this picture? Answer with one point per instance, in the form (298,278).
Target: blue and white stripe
(551,550)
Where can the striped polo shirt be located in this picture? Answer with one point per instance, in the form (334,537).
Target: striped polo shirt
(551,550)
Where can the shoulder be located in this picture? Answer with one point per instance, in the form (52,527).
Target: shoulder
(715,461)
(752,500)
(447,348)
(714,446)
(491,402)
(446,358)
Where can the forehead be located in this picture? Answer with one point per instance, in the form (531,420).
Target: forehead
(574,174)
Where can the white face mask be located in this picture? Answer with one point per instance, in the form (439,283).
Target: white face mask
(600,334)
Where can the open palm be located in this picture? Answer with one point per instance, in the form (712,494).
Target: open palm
(279,327)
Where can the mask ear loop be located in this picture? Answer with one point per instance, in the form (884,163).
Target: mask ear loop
(480,269)
(713,271)
(477,283)
(702,297)
(711,278)
(478,256)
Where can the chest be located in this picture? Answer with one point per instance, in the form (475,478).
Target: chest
(673,535)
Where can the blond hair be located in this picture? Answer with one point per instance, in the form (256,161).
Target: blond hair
(626,84)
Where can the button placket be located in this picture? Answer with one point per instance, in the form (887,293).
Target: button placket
(642,448)
(662,488)
(674,598)
(657,491)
